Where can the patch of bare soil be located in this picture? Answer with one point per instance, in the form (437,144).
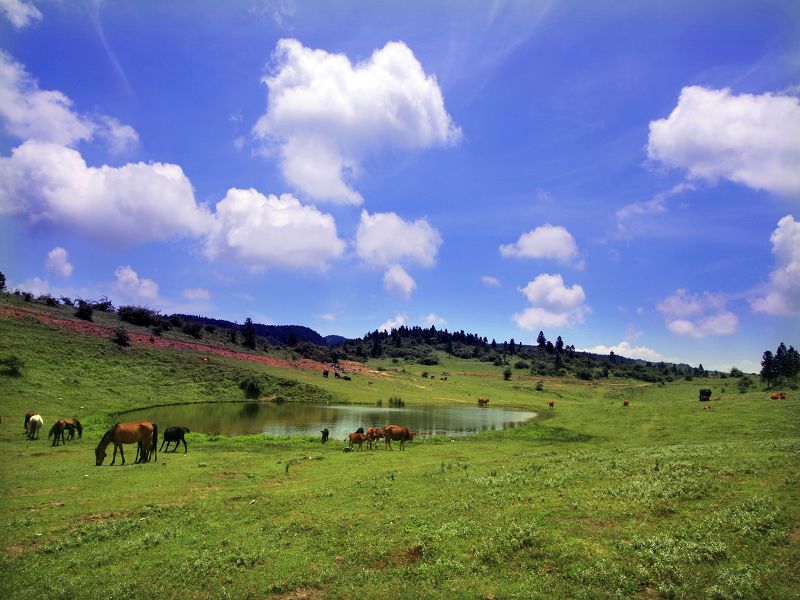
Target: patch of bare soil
(300,594)
(93,518)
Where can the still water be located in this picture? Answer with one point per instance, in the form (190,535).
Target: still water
(292,418)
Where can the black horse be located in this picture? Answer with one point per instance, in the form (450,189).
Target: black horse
(325,433)
(175,434)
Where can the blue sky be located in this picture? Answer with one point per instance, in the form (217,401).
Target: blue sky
(625,175)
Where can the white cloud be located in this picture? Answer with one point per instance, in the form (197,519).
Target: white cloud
(134,203)
(270,231)
(34,285)
(698,315)
(554,304)
(397,321)
(435,320)
(546,241)
(31,113)
(384,239)
(750,139)
(21,14)
(654,206)
(326,316)
(58,262)
(326,115)
(196,294)
(490,281)
(782,296)
(625,349)
(397,281)
(129,287)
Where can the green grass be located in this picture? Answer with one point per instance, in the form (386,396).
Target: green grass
(659,499)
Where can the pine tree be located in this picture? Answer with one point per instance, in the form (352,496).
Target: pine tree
(769,368)
(782,361)
(541,340)
(559,345)
(2,282)
(249,334)
(512,348)
(377,349)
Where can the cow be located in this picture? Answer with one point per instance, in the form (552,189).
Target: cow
(175,434)
(325,373)
(551,404)
(325,433)
(336,374)
(778,396)
(395,432)
(373,435)
(705,395)
(625,403)
(357,438)
(483,401)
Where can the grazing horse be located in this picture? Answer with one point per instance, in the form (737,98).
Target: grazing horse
(357,438)
(34,425)
(625,403)
(28,416)
(57,432)
(551,404)
(142,433)
(395,432)
(483,401)
(325,433)
(373,435)
(72,425)
(175,434)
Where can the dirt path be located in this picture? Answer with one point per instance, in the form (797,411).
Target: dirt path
(158,342)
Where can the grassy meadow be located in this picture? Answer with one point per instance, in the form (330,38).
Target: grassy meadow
(660,499)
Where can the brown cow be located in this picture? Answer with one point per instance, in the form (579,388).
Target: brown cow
(551,404)
(625,403)
(395,432)
(483,401)
(778,396)
(373,435)
(357,438)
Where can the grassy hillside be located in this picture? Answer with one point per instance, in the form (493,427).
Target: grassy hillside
(659,499)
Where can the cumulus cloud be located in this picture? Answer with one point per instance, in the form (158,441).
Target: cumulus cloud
(782,296)
(750,139)
(384,239)
(196,294)
(546,241)
(397,321)
(129,287)
(57,262)
(435,320)
(119,206)
(397,281)
(21,14)
(31,113)
(272,231)
(625,349)
(325,115)
(554,304)
(490,281)
(698,315)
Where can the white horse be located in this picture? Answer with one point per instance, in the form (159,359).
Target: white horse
(34,425)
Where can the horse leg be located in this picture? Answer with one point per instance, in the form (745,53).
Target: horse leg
(185,447)
(121,452)
(114,458)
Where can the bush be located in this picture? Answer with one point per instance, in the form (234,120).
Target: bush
(84,310)
(539,386)
(120,337)
(585,375)
(251,387)
(47,299)
(194,329)
(744,384)
(138,315)
(396,402)
(12,365)
(521,364)
(507,374)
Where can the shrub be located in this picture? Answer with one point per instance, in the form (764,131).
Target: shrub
(744,384)
(120,337)
(138,315)
(12,365)
(84,311)
(539,386)
(103,305)
(507,374)
(396,402)
(585,375)
(251,387)
(210,328)
(194,329)
(424,374)
(47,299)
(521,364)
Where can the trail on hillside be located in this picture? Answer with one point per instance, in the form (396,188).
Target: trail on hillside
(159,342)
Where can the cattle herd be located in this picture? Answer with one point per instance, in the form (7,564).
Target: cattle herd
(373,434)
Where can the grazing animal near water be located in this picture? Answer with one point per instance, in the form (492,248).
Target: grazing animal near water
(28,416)
(357,438)
(777,396)
(625,403)
(57,432)
(72,425)
(142,433)
(373,435)
(396,432)
(551,404)
(175,434)
(483,401)
(325,433)
(325,373)
(34,425)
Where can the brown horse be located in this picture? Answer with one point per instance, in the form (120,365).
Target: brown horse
(57,432)
(395,432)
(72,425)
(142,433)
(28,416)
(483,401)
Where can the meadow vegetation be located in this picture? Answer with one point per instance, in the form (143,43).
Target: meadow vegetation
(659,499)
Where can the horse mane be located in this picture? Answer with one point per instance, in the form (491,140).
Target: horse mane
(106,439)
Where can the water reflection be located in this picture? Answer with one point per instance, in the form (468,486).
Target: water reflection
(289,418)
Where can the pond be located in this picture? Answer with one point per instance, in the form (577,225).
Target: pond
(294,418)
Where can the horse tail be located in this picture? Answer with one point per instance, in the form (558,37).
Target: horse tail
(155,440)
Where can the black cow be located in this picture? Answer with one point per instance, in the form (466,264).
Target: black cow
(325,433)
(175,434)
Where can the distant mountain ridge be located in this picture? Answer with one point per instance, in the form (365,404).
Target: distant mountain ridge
(274,334)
